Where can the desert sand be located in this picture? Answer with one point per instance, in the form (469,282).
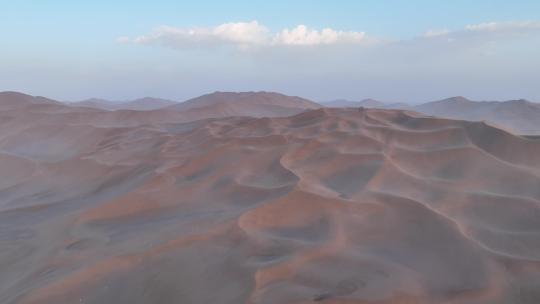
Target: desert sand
(325,206)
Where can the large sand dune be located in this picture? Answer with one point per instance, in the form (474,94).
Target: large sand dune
(329,206)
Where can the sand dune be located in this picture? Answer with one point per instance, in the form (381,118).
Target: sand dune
(519,116)
(141,104)
(329,206)
(344,103)
(20,110)
(247,99)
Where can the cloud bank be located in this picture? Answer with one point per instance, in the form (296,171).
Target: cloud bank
(252,35)
(244,35)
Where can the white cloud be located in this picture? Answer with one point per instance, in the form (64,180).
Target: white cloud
(503,26)
(244,35)
(307,47)
(241,34)
(302,35)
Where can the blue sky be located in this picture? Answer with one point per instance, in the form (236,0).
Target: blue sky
(391,50)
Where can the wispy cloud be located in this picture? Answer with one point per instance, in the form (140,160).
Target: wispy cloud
(488,28)
(253,35)
(244,35)
(436,33)
(475,53)
(504,26)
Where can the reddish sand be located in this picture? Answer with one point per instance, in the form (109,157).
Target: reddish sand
(330,205)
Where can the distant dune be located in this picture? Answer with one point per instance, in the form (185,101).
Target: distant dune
(141,104)
(327,205)
(238,101)
(215,105)
(15,100)
(519,116)
(24,107)
(344,103)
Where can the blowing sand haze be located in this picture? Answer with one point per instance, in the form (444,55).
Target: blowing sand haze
(270,152)
(329,205)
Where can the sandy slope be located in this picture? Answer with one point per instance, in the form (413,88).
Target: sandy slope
(330,206)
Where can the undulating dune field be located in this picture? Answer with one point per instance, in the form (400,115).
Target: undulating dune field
(328,205)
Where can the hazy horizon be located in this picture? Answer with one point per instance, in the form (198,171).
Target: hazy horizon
(416,51)
(414,102)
